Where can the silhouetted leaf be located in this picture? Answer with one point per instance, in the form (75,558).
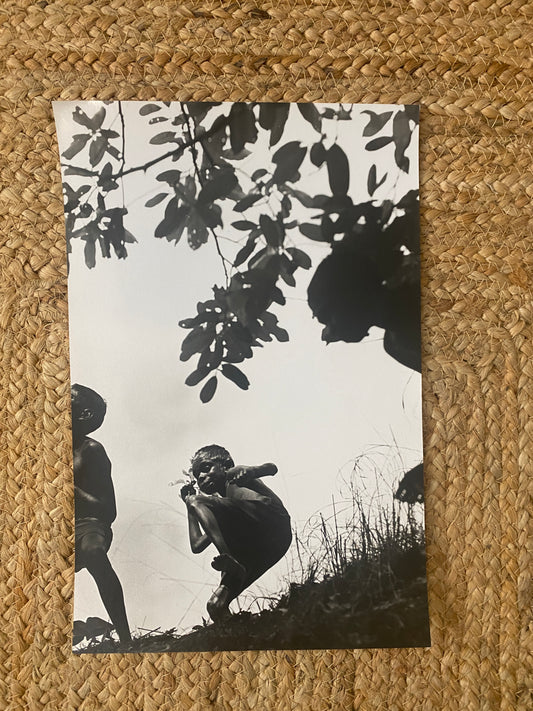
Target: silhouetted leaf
(258,257)
(401,132)
(243,254)
(371,180)
(247,202)
(210,360)
(376,123)
(169,176)
(409,201)
(72,170)
(313,232)
(286,207)
(286,270)
(93,123)
(271,231)
(209,389)
(372,184)
(149,109)
(310,114)
(317,154)
(197,376)
(344,114)
(267,115)
(402,161)
(273,117)
(280,334)
(169,221)
(105,174)
(236,376)
(386,211)
(202,317)
(113,151)
(156,199)
(79,141)
(304,198)
(86,210)
(219,187)
(243,225)
(81,117)
(338,170)
(327,228)
(97,150)
(412,111)
(288,159)
(211,214)
(242,126)
(197,233)
(259,174)
(378,143)
(165,137)
(107,133)
(300,258)
(181,221)
(232,155)
(266,261)
(196,341)
(89,252)
(199,109)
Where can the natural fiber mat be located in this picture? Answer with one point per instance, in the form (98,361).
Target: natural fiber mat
(469,66)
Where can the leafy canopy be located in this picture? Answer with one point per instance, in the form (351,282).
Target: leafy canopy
(201,183)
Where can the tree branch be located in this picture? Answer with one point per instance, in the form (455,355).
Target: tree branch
(179,151)
(123,136)
(197,171)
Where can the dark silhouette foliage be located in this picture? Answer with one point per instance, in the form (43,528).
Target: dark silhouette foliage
(370,276)
(411,488)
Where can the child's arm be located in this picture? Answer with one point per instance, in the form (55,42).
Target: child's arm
(198,540)
(243,473)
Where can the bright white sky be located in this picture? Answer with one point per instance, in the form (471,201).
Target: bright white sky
(311,408)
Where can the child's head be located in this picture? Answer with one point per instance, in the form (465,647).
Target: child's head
(88,408)
(208,466)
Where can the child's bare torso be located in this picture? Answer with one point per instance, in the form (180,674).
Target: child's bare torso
(92,477)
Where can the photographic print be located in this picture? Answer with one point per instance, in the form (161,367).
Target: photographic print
(244,322)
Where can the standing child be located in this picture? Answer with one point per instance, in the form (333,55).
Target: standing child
(95,509)
(241,516)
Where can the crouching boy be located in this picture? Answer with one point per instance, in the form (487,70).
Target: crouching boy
(236,512)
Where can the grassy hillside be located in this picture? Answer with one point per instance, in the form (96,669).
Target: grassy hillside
(356,585)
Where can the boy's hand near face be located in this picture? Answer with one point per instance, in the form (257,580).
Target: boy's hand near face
(187,491)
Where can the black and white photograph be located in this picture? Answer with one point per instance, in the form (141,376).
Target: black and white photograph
(244,325)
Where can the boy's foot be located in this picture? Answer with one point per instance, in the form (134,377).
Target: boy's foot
(226,564)
(218,603)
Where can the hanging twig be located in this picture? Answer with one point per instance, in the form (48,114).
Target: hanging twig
(193,140)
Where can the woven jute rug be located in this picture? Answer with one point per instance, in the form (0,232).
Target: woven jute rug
(468,64)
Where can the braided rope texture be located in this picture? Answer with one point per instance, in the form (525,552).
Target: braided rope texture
(469,65)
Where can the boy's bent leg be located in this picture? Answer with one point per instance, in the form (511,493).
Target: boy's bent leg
(233,573)
(218,603)
(231,584)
